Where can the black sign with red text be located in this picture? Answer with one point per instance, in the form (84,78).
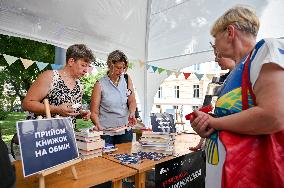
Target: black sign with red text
(181,172)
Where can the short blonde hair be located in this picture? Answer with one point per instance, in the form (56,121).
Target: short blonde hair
(242,17)
(117,56)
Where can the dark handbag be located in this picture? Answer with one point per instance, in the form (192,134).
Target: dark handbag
(136,111)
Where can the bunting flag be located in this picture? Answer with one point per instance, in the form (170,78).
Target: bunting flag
(199,76)
(10,59)
(26,62)
(141,63)
(169,72)
(160,70)
(210,76)
(147,67)
(56,66)
(154,68)
(186,75)
(177,74)
(41,65)
(130,65)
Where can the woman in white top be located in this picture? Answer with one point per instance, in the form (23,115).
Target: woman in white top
(245,144)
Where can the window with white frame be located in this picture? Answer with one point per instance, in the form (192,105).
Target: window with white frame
(176,90)
(160,93)
(194,107)
(195,91)
(196,67)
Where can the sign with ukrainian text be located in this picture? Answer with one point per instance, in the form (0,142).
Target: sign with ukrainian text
(46,143)
(162,122)
(181,172)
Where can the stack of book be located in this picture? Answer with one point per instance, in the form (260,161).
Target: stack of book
(109,148)
(89,143)
(113,131)
(159,142)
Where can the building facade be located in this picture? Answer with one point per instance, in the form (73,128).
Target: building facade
(180,96)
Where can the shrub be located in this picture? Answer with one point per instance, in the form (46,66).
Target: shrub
(3,114)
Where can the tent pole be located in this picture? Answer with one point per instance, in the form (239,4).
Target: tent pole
(148,12)
(60,56)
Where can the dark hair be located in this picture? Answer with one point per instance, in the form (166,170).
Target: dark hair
(117,56)
(80,51)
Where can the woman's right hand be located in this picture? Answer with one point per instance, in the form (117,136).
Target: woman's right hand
(200,124)
(198,146)
(67,110)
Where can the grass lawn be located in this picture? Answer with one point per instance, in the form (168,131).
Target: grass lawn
(8,126)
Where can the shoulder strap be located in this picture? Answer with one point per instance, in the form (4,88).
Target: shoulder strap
(126,79)
(246,85)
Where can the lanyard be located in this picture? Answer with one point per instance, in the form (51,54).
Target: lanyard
(246,85)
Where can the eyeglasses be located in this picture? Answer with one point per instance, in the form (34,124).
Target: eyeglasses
(216,53)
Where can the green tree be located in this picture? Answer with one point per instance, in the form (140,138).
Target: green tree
(16,76)
(89,82)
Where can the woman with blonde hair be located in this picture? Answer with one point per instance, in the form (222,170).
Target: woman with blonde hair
(113,101)
(245,144)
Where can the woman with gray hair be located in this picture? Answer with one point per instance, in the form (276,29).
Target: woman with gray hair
(245,144)
(113,101)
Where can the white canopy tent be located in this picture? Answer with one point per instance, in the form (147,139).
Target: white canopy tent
(170,34)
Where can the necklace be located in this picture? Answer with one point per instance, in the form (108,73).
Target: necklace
(115,82)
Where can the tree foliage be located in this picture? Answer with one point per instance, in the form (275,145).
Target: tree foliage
(89,82)
(16,76)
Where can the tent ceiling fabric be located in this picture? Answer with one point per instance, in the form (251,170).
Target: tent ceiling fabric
(177,36)
(102,25)
(177,27)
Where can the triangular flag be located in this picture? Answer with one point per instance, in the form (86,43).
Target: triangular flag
(141,63)
(147,66)
(41,65)
(130,65)
(56,66)
(210,76)
(154,68)
(160,70)
(169,72)
(186,75)
(27,62)
(177,74)
(10,59)
(199,76)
